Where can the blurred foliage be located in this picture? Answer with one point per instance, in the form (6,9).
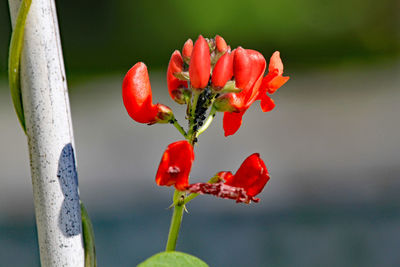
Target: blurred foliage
(108,36)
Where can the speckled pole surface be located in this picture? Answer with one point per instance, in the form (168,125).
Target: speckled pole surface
(50,138)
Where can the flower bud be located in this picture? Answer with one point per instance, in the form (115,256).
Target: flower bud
(221,45)
(241,67)
(137,97)
(223,72)
(187,50)
(199,66)
(176,87)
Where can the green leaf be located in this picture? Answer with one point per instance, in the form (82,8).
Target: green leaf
(14,58)
(173,259)
(88,239)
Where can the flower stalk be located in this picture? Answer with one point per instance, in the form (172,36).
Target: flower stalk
(176,220)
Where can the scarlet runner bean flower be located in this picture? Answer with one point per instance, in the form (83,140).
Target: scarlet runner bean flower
(137,97)
(176,87)
(200,64)
(175,165)
(247,78)
(249,181)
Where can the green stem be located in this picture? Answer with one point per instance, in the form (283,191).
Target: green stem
(175,220)
(208,121)
(179,127)
(14,59)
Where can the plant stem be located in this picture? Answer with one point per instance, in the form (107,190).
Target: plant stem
(179,127)
(208,121)
(175,220)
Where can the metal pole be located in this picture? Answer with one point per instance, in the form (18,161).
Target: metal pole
(50,137)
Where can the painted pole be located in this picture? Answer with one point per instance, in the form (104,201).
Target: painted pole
(50,137)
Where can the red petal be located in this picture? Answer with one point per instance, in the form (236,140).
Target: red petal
(175,165)
(267,103)
(223,71)
(200,64)
(275,63)
(137,96)
(232,122)
(276,83)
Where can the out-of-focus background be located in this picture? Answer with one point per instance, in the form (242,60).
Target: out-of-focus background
(331,145)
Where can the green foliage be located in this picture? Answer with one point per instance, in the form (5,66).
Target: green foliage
(88,239)
(14,59)
(173,259)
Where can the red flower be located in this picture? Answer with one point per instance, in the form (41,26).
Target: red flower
(187,50)
(248,70)
(200,64)
(220,44)
(175,85)
(249,181)
(175,165)
(252,175)
(223,71)
(272,82)
(137,97)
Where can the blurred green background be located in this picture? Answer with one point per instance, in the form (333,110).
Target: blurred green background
(107,36)
(331,145)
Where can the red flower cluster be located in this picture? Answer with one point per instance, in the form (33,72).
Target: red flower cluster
(211,74)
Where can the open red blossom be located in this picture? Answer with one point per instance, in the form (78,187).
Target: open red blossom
(200,64)
(252,175)
(223,71)
(272,82)
(249,181)
(175,165)
(248,70)
(137,97)
(175,85)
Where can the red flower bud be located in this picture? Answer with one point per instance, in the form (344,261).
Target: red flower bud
(200,64)
(252,175)
(241,67)
(187,50)
(223,71)
(221,45)
(175,85)
(175,165)
(137,97)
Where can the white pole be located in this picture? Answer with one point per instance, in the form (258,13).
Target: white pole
(50,137)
